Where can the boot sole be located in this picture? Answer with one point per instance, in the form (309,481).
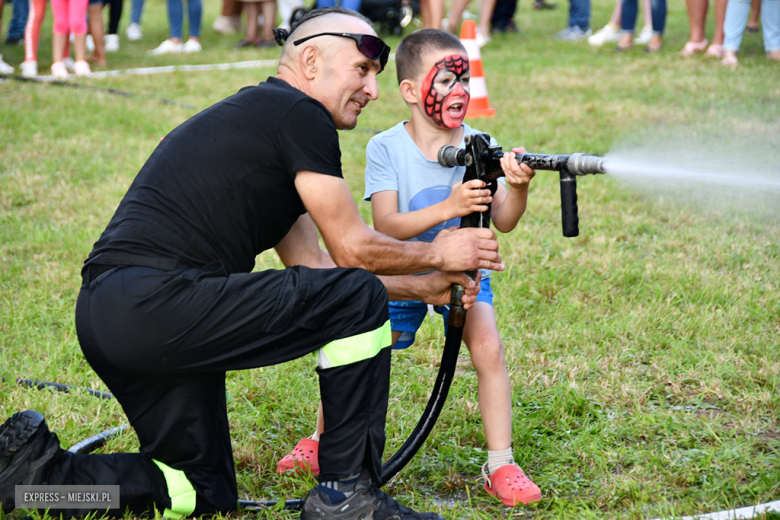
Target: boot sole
(15,435)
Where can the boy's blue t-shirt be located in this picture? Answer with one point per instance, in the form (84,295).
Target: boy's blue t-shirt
(395,163)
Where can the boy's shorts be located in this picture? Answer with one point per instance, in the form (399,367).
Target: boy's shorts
(407,316)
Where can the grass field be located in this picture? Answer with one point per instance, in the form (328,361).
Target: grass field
(643,354)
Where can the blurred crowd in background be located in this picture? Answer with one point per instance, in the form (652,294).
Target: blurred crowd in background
(81,25)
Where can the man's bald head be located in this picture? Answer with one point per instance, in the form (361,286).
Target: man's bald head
(327,19)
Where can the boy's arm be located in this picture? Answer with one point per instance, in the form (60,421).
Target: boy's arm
(463,200)
(509,203)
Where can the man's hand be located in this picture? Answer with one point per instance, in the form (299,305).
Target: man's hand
(434,288)
(467,249)
(468,197)
(440,286)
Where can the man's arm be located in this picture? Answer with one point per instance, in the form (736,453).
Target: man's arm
(301,247)
(351,243)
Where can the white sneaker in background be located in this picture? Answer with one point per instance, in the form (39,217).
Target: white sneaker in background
(58,70)
(70,65)
(482,40)
(573,34)
(167,47)
(224,25)
(607,34)
(445,25)
(4,67)
(29,69)
(133,32)
(644,35)
(111,42)
(81,68)
(191,46)
(90,43)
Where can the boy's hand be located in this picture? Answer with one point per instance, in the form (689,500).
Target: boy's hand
(517,175)
(468,198)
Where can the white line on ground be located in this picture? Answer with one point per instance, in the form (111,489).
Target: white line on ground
(255,64)
(743,513)
(141,71)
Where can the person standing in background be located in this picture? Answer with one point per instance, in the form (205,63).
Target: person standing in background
(486,8)
(18,19)
(628,24)
(229,21)
(432,13)
(252,9)
(69,16)
(4,67)
(32,35)
(579,22)
(737,14)
(175,19)
(610,33)
(697,17)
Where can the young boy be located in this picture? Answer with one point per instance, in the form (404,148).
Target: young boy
(413,198)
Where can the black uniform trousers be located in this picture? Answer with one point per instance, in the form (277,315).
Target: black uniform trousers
(162,342)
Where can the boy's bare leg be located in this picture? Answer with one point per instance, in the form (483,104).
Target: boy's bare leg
(494,391)
(96,30)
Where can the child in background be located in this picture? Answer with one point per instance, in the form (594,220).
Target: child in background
(414,198)
(69,16)
(32,36)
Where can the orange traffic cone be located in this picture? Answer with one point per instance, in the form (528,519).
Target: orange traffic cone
(479,105)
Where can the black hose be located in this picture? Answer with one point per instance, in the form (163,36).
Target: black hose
(441,388)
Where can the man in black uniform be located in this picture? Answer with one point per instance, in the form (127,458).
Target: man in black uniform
(169,302)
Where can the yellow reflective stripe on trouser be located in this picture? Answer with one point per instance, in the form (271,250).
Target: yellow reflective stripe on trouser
(355,348)
(180,490)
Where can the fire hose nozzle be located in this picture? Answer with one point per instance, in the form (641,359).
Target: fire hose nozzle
(451,156)
(581,164)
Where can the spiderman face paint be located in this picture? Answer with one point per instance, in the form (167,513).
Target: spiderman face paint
(445,91)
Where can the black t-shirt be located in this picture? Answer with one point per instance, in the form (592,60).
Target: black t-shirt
(220,187)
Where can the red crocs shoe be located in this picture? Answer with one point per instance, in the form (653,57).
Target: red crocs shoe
(511,486)
(304,456)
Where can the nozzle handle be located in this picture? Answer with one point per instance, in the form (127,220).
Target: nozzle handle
(569,218)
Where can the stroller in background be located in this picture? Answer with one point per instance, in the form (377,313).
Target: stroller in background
(389,16)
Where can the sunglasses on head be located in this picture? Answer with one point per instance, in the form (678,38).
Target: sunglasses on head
(370,46)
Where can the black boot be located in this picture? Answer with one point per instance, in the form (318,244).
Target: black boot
(367,501)
(27,449)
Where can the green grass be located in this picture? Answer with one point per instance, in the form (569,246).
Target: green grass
(643,354)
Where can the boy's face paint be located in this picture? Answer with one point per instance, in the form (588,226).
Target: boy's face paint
(445,91)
